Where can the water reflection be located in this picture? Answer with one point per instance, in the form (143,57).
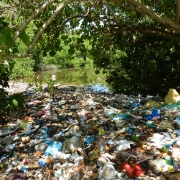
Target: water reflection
(80,76)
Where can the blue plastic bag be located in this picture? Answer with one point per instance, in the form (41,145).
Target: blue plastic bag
(53,148)
(88,140)
(42,162)
(153,114)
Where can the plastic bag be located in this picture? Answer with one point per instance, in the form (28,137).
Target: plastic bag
(53,148)
(172,97)
(155,113)
(152,104)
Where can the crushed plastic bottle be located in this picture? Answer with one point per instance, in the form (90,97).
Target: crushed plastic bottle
(102,145)
(108,172)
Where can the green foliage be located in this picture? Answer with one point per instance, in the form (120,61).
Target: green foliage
(6,40)
(8,103)
(5,71)
(68,54)
(11,103)
(22,67)
(6,35)
(15,101)
(116,39)
(2,38)
(51,87)
(24,37)
(147,69)
(38,86)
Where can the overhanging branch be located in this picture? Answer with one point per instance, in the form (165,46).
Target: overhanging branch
(46,24)
(147,10)
(147,30)
(36,13)
(15,56)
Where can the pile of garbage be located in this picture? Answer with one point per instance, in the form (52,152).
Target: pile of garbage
(79,133)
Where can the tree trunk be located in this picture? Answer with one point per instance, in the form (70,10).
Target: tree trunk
(177,19)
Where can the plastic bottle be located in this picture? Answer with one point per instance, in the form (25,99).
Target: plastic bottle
(108,172)
(102,145)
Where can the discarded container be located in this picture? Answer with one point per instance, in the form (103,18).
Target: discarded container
(120,123)
(72,144)
(74,130)
(123,145)
(25,139)
(108,172)
(102,145)
(102,161)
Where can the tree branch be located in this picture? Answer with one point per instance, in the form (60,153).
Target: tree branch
(36,13)
(46,24)
(177,19)
(148,30)
(128,8)
(164,21)
(112,12)
(73,17)
(14,56)
(147,10)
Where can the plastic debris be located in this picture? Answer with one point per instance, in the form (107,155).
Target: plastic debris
(132,171)
(172,97)
(108,172)
(68,134)
(53,147)
(152,104)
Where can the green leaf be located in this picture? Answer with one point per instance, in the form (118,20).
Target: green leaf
(2,69)
(15,102)
(9,39)
(24,37)
(2,38)
(10,30)
(152,65)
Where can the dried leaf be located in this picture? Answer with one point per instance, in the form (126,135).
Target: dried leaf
(38,154)
(81,163)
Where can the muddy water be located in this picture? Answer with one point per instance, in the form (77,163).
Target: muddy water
(80,76)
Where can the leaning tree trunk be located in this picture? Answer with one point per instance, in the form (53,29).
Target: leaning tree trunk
(177,19)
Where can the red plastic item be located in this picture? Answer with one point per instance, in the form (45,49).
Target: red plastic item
(132,171)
